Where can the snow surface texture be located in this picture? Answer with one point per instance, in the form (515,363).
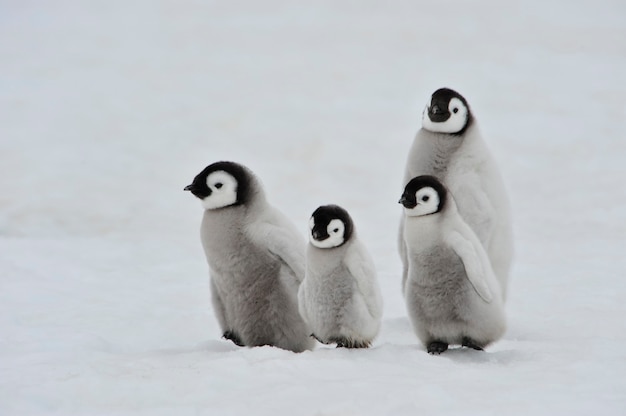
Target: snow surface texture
(108,109)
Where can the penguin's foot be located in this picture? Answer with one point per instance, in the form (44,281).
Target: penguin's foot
(470,343)
(230,335)
(350,343)
(319,340)
(436,347)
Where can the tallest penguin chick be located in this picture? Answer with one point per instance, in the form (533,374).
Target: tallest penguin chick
(256,260)
(450,147)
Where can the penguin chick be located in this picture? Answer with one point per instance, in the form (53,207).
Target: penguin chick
(451,293)
(450,146)
(255,257)
(339,297)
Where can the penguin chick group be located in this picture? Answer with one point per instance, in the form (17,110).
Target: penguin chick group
(455,243)
(455,238)
(257,266)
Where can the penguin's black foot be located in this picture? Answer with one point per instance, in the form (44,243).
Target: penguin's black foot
(470,343)
(436,347)
(319,340)
(230,335)
(350,343)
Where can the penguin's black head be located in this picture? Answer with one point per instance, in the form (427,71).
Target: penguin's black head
(447,112)
(222,184)
(424,195)
(330,226)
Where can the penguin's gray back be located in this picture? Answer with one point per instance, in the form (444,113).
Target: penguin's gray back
(251,283)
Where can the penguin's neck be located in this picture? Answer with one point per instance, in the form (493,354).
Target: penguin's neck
(223,224)
(423,231)
(225,227)
(327,258)
(432,152)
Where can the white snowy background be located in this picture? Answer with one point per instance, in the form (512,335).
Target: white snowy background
(109,108)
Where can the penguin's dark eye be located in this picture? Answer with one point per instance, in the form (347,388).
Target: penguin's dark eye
(218,185)
(425,198)
(336,230)
(455,110)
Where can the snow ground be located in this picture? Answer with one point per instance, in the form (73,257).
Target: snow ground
(108,109)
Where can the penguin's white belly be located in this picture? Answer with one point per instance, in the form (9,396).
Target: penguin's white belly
(334,307)
(241,277)
(258,307)
(329,297)
(441,302)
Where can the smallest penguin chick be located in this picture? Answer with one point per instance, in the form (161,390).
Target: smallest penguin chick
(339,297)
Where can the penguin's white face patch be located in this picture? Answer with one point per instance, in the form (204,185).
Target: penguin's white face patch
(427,200)
(335,230)
(455,122)
(223,187)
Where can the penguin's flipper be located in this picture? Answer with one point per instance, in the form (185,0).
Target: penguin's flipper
(472,261)
(279,238)
(362,268)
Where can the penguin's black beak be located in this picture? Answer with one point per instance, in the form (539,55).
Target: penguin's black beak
(435,109)
(406,202)
(198,190)
(437,114)
(316,234)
